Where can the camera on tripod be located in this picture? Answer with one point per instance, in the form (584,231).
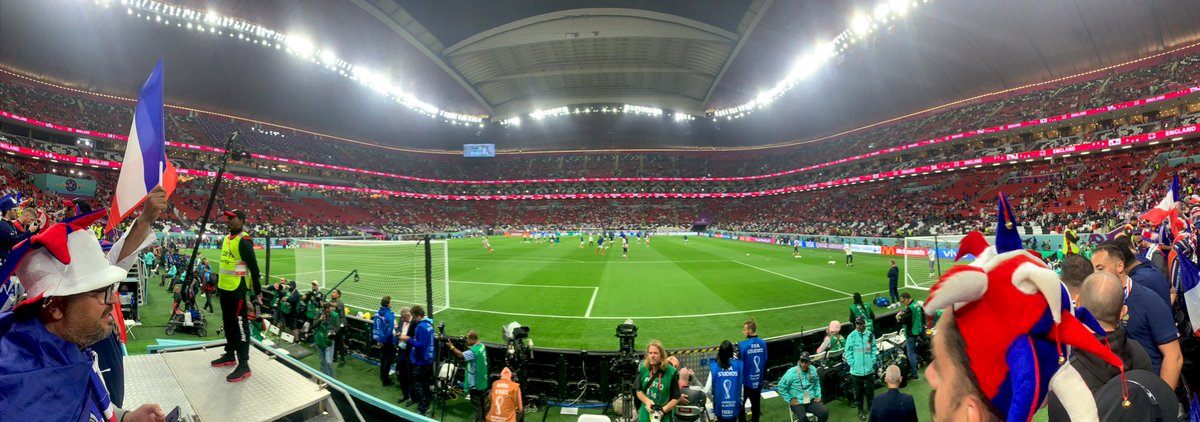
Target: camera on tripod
(459,342)
(519,346)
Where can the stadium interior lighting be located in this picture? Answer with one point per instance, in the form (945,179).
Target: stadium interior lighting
(299,45)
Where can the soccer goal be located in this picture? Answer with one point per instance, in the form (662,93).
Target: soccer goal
(927,257)
(393,268)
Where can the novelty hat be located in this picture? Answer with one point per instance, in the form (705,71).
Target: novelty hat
(63,260)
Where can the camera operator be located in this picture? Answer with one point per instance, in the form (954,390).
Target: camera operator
(912,317)
(420,346)
(339,342)
(658,386)
(476,376)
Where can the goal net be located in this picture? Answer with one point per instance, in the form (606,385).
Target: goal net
(927,257)
(393,268)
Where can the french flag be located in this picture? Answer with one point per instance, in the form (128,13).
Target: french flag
(145,165)
(1167,208)
(1187,278)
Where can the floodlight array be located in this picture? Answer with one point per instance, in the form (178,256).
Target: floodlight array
(214,24)
(861,25)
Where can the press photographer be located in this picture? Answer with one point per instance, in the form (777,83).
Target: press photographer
(475,379)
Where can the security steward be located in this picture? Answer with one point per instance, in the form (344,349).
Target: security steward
(237,258)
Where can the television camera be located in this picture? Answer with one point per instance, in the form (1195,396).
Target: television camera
(519,350)
(624,367)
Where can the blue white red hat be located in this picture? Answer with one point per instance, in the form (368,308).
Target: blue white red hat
(10,201)
(64,259)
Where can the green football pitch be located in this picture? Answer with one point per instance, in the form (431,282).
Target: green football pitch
(686,295)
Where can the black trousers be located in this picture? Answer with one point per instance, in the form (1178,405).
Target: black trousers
(755,397)
(479,402)
(893,290)
(864,390)
(404,374)
(237,326)
(387,356)
(422,377)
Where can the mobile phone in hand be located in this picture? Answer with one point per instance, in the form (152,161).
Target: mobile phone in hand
(174,415)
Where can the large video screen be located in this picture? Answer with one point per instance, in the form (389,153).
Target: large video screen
(479,150)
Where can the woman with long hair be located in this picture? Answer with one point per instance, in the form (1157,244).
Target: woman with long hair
(724,384)
(860,309)
(658,385)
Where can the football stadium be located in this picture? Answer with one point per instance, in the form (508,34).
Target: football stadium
(600,210)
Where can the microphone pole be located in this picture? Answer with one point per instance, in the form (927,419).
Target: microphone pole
(212,197)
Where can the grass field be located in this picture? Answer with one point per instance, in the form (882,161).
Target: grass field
(687,295)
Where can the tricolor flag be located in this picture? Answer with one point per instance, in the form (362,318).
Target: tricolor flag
(1187,278)
(1167,208)
(145,165)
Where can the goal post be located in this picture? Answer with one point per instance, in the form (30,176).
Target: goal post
(920,271)
(395,268)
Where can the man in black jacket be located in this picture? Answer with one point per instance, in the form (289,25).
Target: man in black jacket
(893,406)
(1102,294)
(893,285)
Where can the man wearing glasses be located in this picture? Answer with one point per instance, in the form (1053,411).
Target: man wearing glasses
(47,370)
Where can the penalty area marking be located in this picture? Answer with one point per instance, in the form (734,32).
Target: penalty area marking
(794,278)
(622,318)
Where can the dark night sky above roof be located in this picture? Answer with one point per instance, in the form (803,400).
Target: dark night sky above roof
(943,51)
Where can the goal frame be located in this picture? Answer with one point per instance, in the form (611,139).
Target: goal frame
(938,242)
(443,279)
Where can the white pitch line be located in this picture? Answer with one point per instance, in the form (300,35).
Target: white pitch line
(794,278)
(622,318)
(588,314)
(522,285)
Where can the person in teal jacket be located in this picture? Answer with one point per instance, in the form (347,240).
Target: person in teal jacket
(860,356)
(800,388)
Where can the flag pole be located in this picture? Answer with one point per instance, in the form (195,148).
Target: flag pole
(212,196)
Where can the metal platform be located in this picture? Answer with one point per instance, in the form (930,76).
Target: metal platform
(186,379)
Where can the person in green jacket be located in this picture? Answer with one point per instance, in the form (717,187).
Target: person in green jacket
(658,385)
(322,332)
(800,388)
(858,309)
(860,356)
(912,317)
(475,378)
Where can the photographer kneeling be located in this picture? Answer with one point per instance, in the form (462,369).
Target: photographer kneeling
(475,379)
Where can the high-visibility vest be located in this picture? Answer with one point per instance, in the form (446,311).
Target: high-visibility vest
(233,267)
(506,401)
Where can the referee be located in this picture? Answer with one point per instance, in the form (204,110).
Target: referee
(237,257)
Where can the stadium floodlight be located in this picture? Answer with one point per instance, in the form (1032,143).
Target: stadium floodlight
(328,57)
(899,7)
(881,12)
(860,25)
(301,46)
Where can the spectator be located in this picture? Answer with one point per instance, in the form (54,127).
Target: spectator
(1141,273)
(860,356)
(1103,296)
(858,309)
(339,343)
(1149,320)
(724,384)
(403,364)
(912,318)
(421,356)
(800,388)
(46,371)
(324,329)
(1152,254)
(834,340)
(1075,269)
(893,276)
(753,353)
(384,330)
(507,405)
(476,376)
(658,385)
(893,406)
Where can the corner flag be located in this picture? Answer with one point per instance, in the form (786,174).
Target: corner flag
(145,165)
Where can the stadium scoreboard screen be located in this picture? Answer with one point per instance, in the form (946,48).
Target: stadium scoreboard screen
(479,150)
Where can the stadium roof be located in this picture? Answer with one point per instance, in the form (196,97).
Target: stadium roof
(509,57)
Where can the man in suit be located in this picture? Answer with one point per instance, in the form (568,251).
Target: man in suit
(403,366)
(893,406)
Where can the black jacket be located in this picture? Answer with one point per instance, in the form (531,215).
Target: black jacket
(1095,371)
(893,406)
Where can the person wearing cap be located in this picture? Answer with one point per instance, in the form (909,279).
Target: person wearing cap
(893,406)
(753,353)
(912,318)
(724,384)
(507,405)
(1005,333)
(11,231)
(834,340)
(1071,239)
(860,356)
(238,273)
(800,388)
(47,370)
